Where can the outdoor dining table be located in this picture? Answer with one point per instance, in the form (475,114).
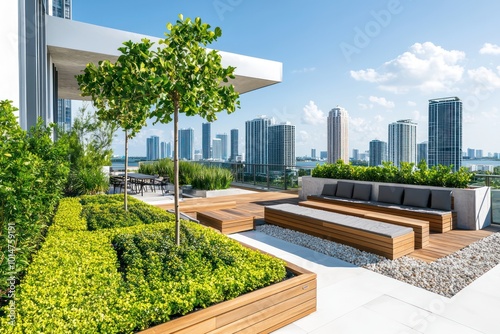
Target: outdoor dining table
(140,180)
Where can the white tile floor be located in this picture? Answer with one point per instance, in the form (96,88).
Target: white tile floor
(355,300)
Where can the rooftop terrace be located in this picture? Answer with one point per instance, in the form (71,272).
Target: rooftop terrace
(352,299)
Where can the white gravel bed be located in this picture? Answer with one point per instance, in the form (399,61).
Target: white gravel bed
(446,276)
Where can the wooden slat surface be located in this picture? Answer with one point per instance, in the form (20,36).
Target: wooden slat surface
(440,244)
(420,227)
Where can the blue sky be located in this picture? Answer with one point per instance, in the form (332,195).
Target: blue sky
(382,60)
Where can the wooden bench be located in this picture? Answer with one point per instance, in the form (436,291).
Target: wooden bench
(388,240)
(227,221)
(438,222)
(420,227)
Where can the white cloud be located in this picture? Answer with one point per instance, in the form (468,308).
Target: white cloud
(303,136)
(425,67)
(382,102)
(304,70)
(364,106)
(485,77)
(490,49)
(412,104)
(313,115)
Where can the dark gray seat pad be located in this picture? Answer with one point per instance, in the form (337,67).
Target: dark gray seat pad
(372,226)
(388,205)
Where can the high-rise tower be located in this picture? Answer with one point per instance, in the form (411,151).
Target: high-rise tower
(223,139)
(153,148)
(338,135)
(445,132)
(256,144)
(403,142)
(186,144)
(206,140)
(281,146)
(234,144)
(378,152)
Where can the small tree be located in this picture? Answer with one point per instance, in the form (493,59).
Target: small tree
(191,80)
(122,92)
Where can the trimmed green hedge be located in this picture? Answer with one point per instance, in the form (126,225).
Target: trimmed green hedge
(408,173)
(121,280)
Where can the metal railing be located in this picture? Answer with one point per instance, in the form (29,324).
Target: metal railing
(261,175)
(492,181)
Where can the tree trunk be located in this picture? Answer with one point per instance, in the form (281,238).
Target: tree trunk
(176,178)
(126,173)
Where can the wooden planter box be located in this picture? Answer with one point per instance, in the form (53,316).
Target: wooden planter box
(261,311)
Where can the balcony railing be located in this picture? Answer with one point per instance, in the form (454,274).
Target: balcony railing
(261,175)
(492,181)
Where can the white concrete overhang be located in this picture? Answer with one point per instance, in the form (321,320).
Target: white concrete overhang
(72,45)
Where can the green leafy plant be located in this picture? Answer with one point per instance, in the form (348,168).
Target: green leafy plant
(33,170)
(123,280)
(440,176)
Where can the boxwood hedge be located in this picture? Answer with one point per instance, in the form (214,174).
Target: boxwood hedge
(125,279)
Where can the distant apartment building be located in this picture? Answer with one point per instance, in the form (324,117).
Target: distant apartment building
(223,138)
(422,149)
(338,135)
(281,146)
(234,144)
(445,132)
(206,138)
(256,144)
(323,155)
(313,153)
(471,153)
(217,149)
(186,144)
(163,150)
(355,154)
(402,146)
(479,154)
(153,148)
(378,152)
(62,8)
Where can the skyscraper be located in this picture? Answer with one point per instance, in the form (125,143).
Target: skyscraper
(62,8)
(186,142)
(169,150)
(422,149)
(206,138)
(163,150)
(471,153)
(153,148)
(445,132)
(338,135)
(217,149)
(281,146)
(403,142)
(355,154)
(313,153)
(378,152)
(256,143)
(223,138)
(234,144)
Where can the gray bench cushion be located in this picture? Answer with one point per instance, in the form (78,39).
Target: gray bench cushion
(390,194)
(441,199)
(329,189)
(344,189)
(362,191)
(372,226)
(416,197)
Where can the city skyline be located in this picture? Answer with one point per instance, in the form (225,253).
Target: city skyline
(379,76)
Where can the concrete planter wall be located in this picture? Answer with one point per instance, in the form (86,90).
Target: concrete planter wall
(207,193)
(473,205)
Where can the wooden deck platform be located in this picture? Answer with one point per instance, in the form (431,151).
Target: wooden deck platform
(440,244)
